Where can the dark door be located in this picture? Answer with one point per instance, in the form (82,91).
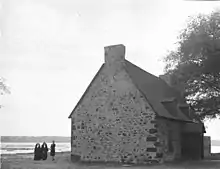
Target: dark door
(191,146)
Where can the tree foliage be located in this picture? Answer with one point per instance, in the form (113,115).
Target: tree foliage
(194,66)
(4,89)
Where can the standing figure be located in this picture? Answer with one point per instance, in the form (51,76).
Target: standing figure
(37,152)
(44,151)
(52,150)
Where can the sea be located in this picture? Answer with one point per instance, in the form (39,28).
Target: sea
(215,149)
(23,148)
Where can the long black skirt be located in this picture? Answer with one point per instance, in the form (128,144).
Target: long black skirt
(44,155)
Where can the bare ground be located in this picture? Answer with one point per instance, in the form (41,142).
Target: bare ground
(63,162)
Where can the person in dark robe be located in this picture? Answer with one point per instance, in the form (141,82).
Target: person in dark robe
(37,152)
(44,151)
(52,150)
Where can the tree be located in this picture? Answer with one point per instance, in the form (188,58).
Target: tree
(4,89)
(194,66)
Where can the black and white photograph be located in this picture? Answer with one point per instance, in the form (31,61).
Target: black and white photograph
(113,84)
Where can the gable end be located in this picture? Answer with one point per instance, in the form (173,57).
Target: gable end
(87,89)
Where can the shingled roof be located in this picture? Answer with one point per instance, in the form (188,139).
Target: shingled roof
(156,91)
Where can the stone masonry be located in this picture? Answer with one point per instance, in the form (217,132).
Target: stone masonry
(114,122)
(169,139)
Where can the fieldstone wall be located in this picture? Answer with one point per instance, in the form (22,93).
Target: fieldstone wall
(114,122)
(169,139)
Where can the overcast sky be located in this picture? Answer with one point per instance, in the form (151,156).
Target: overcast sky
(51,49)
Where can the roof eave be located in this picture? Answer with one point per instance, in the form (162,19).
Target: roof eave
(176,119)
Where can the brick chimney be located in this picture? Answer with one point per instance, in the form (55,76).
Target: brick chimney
(114,55)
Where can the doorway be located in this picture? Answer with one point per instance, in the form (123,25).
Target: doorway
(192,146)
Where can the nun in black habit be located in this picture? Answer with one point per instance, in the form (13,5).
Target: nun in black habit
(37,152)
(44,151)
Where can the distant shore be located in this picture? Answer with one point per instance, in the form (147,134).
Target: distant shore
(27,139)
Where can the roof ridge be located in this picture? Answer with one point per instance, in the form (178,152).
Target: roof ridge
(154,76)
(143,70)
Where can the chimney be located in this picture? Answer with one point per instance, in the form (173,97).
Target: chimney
(114,55)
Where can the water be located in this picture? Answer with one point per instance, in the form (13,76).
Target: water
(215,149)
(14,148)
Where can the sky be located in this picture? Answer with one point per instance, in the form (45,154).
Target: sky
(51,49)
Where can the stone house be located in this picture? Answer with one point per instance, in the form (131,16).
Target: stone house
(131,116)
